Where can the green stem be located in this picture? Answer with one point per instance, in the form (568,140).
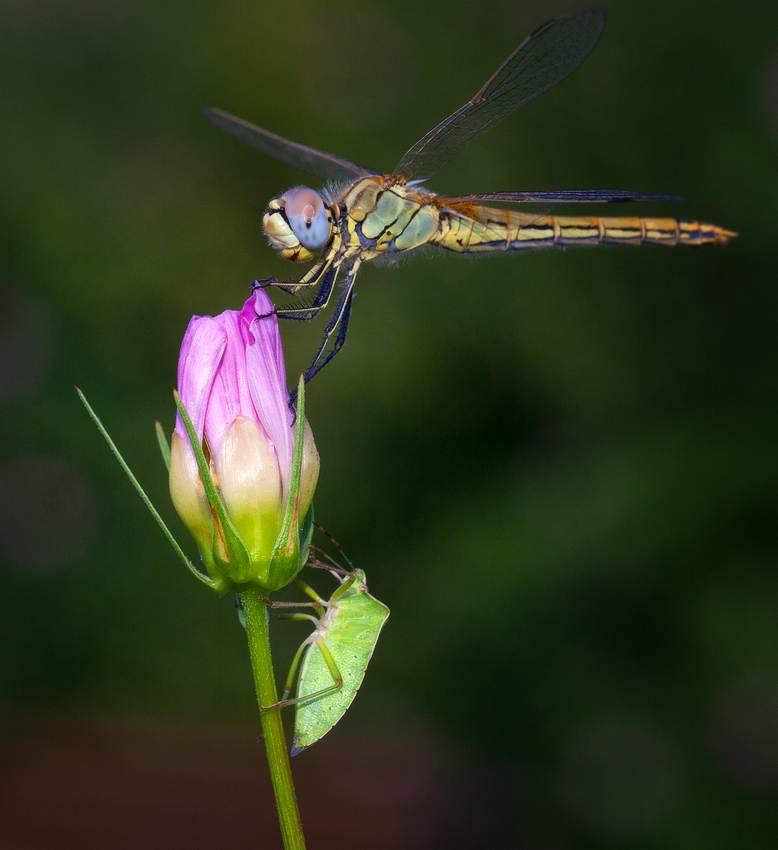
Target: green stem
(255,613)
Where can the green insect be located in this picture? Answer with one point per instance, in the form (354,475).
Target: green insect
(334,656)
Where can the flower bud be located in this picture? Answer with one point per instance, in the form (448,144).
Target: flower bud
(232,384)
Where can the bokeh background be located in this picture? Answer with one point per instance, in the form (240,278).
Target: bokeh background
(559,470)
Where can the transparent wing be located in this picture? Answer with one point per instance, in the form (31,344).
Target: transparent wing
(542,203)
(564,196)
(542,60)
(478,213)
(324,165)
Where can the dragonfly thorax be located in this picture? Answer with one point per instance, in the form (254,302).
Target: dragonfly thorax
(298,224)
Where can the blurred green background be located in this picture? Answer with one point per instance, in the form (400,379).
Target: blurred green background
(559,470)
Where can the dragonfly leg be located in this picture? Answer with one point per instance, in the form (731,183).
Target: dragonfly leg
(288,286)
(339,320)
(344,315)
(312,277)
(319,276)
(326,283)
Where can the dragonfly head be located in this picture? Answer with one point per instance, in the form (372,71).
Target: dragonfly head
(298,224)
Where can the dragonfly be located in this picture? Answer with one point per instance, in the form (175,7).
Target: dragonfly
(366,214)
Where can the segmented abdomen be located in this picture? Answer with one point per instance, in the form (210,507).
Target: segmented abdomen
(492,230)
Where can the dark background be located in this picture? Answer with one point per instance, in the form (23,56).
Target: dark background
(559,470)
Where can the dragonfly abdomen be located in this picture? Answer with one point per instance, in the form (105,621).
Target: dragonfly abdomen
(639,231)
(493,230)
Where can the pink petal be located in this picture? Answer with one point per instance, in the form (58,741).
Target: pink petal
(201,353)
(267,379)
(230,396)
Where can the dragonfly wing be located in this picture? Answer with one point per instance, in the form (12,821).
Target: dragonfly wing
(470,207)
(461,207)
(324,165)
(542,60)
(564,196)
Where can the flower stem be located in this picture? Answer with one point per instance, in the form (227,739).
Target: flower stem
(256,618)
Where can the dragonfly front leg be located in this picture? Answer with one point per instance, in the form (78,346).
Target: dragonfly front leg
(333,256)
(325,281)
(315,277)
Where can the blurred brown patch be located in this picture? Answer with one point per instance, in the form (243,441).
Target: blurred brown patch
(77,781)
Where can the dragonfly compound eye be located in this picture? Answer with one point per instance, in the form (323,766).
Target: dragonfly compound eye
(307,217)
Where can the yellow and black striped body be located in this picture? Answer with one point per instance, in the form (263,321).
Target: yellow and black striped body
(381,216)
(489,230)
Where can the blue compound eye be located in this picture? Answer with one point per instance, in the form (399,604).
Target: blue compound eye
(307,217)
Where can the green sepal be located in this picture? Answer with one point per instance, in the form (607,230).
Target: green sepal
(285,560)
(228,558)
(306,535)
(164,445)
(214,583)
